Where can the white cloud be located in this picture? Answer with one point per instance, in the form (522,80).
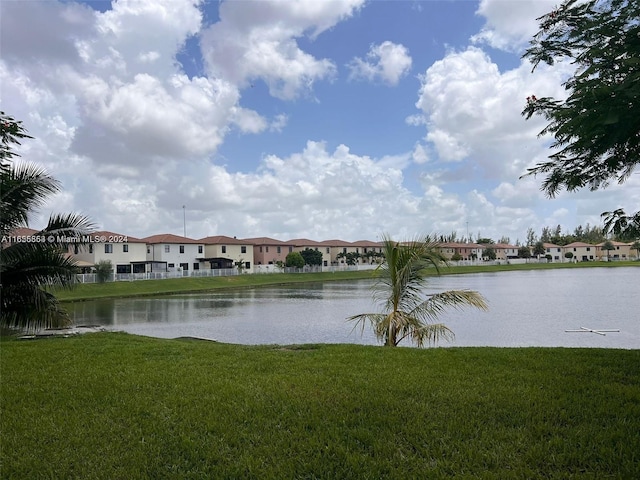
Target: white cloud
(510,25)
(473,112)
(260,43)
(420,154)
(387,62)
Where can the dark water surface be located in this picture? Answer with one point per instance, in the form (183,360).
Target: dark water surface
(526,308)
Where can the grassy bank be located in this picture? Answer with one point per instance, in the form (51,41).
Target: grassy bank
(184,285)
(90,291)
(119,406)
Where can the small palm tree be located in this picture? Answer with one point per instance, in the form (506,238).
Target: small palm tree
(407,312)
(28,268)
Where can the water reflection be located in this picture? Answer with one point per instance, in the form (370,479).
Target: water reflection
(526,308)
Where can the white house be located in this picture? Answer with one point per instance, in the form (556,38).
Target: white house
(179,253)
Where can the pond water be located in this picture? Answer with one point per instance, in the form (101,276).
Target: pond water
(526,308)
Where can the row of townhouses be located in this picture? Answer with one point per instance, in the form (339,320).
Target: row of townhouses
(172,253)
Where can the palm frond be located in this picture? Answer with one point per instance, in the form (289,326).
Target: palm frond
(71,225)
(23,188)
(430,309)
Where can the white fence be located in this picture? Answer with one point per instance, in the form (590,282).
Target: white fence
(221,272)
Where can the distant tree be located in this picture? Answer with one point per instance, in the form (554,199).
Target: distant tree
(524,252)
(505,240)
(531,237)
(294,259)
(240,265)
(489,253)
(104,271)
(608,246)
(311,256)
(456,257)
(636,246)
(538,248)
(568,255)
(548,257)
(546,235)
(352,258)
(452,237)
(485,241)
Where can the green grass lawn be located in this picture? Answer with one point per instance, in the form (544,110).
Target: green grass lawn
(199,284)
(118,406)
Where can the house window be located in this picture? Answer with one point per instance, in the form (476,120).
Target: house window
(181,248)
(123,268)
(148,249)
(108,248)
(224,249)
(344,250)
(278,249)
(199,248)
(247,264)
(243,249)
(125,248)
(90,248)
(267,251)
(328,250)
(290,249)
(260,249)
(184,266)
(588,249)
(196,266)
(171,265)
(167,248)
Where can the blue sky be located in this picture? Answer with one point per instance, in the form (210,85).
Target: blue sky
(335,119)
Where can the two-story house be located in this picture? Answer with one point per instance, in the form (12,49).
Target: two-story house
(581,251)
(621,251)
(300,244)
(505,251)
(269,251)
(226,252)
(555,251)
(127,254)
(179,253)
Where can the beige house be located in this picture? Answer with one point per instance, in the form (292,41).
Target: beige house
(338,249)
(226,252)
(582,252)
(505,251)
(621,251)
(127,254)
(370,252)
(300,244)
(467,251)
(555,251)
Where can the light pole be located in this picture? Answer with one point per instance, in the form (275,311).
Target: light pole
(184,220)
